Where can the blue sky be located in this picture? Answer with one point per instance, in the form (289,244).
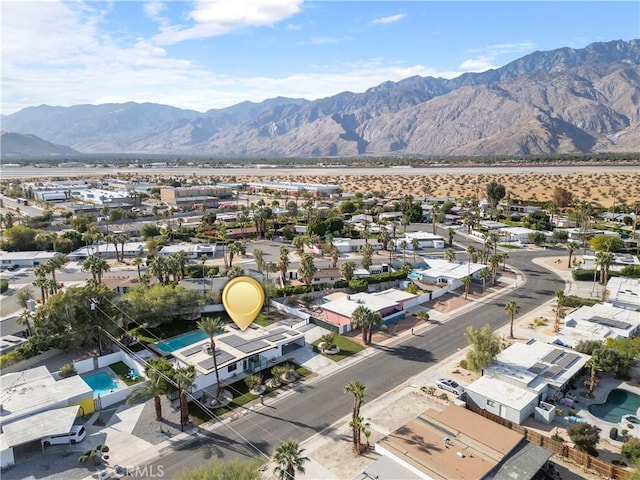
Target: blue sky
(212,54)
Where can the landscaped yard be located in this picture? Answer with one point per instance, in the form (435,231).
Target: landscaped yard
(169,329)
(347,348)
(241,395)
(122,370)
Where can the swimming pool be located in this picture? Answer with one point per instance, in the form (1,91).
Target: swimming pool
(176,343)
(619,402)
(414,275)
(101,384)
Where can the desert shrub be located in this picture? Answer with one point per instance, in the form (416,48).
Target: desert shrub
(358,285)
(444,396)
(585,437)
(4,285)
(631,450)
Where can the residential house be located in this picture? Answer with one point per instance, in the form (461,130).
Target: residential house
(24,259)
(598,322)
(450,274)
(515,234)
(455,443)
(348,245)
(35,404)
(624,292)
(108,250)
(238,353)
(390,304)
(425,240)
(516,385)
(191,250)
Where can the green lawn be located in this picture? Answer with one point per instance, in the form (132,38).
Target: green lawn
(347,348)
(122,370)
(169,329)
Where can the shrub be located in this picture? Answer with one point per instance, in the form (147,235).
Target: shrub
(67,370)
(9,359)
(358,285)
(585,437)
(631,450)
(429,390)
(463,364)
(4,285)
(444,396)
(538,322)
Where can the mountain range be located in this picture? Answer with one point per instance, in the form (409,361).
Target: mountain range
(559,101)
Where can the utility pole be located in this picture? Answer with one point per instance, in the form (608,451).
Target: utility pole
(94,309)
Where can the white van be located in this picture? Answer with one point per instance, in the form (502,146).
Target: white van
(76,435)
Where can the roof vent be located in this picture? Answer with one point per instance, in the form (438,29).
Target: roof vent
(460,454)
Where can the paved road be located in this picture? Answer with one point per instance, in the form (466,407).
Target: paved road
(317,406)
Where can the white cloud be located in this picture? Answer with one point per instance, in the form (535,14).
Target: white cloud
(389,19)
(487,56)
(217,17)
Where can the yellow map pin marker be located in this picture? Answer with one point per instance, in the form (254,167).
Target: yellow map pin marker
(243,298)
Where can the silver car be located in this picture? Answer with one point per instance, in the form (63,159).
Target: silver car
(450,386)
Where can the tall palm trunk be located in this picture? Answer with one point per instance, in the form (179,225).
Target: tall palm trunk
(215,365)
(158,406)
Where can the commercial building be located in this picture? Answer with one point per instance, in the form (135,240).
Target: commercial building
(296,188)
(195,197)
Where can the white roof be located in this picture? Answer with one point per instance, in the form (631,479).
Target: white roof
(346,306)
(624,290)
(422,236)
(444,268)
(395,295)
(506,393)
(31,255)
(187,248)
(34,390)
(517,230)
(52,422)
(606,317)
(526,362)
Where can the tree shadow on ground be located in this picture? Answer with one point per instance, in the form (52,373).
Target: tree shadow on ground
(407,352)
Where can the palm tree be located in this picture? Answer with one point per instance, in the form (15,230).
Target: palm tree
(137,262)
(451,233)
(376,321)
(211,326)
(403,246)
(362,317)
(571,246)
(594,365)
(158,267)
(153,387)
(347,269)
(283,264)
(55,263)
(96,265)
(560,300)
(471,251)
(289,460)
(494,261)
(258,258)
(307,268)
(359,391)
(504,257)
(423,315)
(185,378)
(367,254)
(24,318)
(415,244)
(512,308)
(449,254)
(484,274)
(605,260)
(466,281)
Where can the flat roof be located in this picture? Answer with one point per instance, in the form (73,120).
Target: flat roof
(624,290)
(506,393)
(395,295)
(526,362)
(52,422)
(346,306)
(607,315)
(35,390)
(236,345)
(474,446)
(30,255)
(523,463)
(443,268)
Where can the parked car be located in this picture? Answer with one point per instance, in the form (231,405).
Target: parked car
(13,268)
(450,386)
(76,435)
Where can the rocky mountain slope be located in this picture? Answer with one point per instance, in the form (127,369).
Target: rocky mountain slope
(12,144)
(560,101)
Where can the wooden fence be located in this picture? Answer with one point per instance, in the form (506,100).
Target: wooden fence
(601,467)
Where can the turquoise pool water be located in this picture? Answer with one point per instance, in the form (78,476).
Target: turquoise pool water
(619,402)
(176,343)
(101,384)
(413,275)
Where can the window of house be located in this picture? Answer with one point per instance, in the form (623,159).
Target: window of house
(232,367)
(491,403)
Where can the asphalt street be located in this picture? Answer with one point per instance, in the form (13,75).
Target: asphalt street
(319,405)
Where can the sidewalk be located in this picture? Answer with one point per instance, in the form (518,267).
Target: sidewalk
(324,448)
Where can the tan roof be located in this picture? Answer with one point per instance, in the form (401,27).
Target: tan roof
(476,445)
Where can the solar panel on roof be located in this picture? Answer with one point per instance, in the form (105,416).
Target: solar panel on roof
(222,357)
(552,355)
(192,351)
(553,371)
(609,322)
(252,346)
(567,360)
(537,367)
(275,338)
(233,340)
